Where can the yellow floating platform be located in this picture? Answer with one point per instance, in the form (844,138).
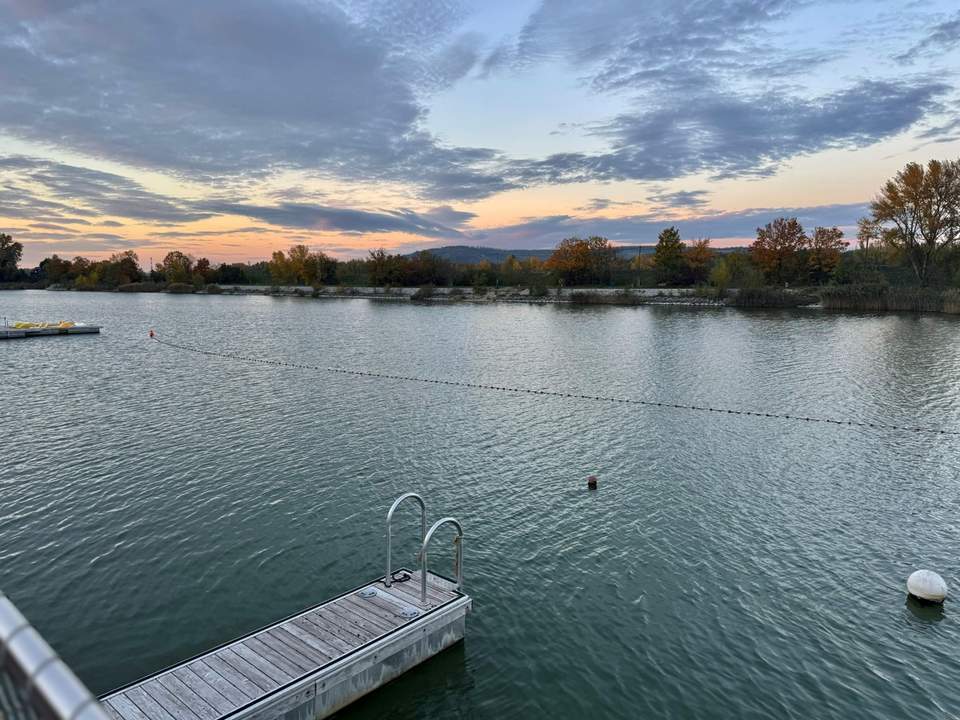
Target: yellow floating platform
(32,329)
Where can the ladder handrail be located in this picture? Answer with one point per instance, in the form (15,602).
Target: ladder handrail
(388,578)
(457,559)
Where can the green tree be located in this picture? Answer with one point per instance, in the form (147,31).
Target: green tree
(378,267)
(735,270)
(10,254)
(298,259)
(121,268)
(698,258)
(320,269)
(824,251)
(511,270)
(177,267)
(668,256)
(203,272)
(282,271)
(921,209)
(602,258)
(55,270)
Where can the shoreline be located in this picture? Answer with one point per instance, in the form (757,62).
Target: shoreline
(514,295)
(754,299)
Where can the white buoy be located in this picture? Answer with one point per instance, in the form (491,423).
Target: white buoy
(927,585)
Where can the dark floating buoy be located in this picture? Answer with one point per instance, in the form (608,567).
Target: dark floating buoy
(592,482)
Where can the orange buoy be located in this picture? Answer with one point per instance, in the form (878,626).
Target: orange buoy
(592,482)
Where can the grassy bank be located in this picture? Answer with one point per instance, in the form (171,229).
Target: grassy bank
(771,297)
(626,297)
(884,298)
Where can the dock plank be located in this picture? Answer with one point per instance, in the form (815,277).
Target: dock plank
(239,680)
(214,697)
(411,591)
(389,604)
(261,671)
(356,618)
(320,636)
(222,683)
(126,708)
(279,654)
(283,635)
(305,636)
(109,710)
(150,707)
(177,707)
(379,608)
(327,630)
(351,636)
(354,606)
(398,591)
(182,692)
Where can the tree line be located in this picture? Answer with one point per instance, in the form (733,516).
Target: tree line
(909,238)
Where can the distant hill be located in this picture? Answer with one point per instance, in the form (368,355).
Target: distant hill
(470,255)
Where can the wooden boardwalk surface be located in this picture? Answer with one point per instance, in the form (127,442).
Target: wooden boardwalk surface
(246,671)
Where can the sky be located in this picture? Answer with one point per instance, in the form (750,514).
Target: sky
(231,128)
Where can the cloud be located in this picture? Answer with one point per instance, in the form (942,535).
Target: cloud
(946,132)
(232,93)
(942,37)
(448,216)
(228,90)
(598,203)
(735,136)
(86,244)
(679,198)
(623,44)
(546,232)
(345,220)
(32,235)
(61,190)
(68,221)
(209,233)
(104,236)
(51,226)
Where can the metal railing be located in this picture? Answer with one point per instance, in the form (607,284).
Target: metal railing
(388,578)
(457,558)
(35,684)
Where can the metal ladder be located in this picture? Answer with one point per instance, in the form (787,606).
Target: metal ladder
(425,537)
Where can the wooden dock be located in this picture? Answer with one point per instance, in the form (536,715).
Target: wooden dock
(309,665)
(8,332)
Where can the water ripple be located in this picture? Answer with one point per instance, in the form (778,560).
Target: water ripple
(153,504)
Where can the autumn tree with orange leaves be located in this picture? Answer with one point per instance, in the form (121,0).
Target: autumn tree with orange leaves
(579,261)
(776,251)
(919,210)
(699,258)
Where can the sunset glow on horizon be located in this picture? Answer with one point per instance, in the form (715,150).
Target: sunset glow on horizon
(231,129)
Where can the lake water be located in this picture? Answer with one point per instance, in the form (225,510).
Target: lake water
(154,503)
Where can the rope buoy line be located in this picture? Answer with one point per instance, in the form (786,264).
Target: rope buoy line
(554,393)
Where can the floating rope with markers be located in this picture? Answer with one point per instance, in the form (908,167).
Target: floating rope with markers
(556,393)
